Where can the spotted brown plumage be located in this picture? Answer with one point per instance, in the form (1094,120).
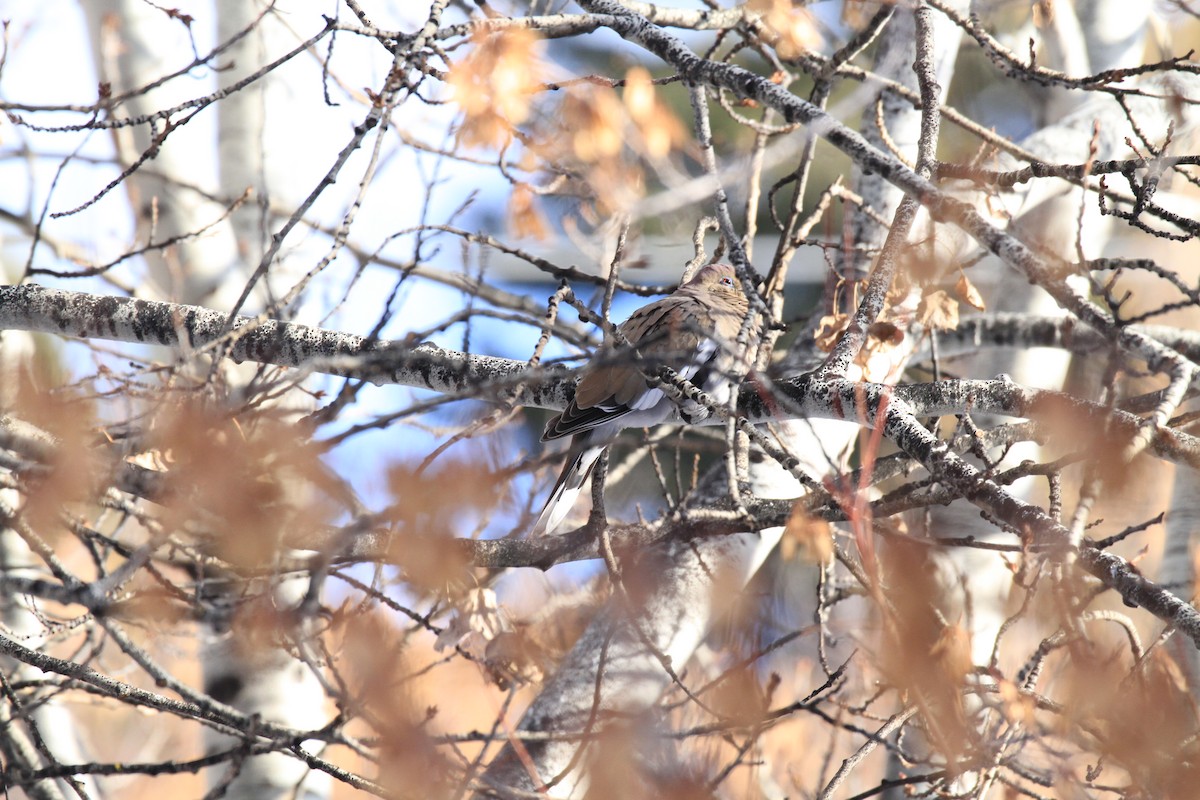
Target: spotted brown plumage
(694,331)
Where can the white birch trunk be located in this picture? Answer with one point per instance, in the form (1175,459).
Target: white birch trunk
(54,722)
(1179,562)
(130,37)
(264,680)
(132,41)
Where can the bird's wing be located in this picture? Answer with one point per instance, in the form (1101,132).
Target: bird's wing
(674,331)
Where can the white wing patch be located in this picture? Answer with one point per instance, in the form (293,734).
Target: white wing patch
(704,352)
(647,399)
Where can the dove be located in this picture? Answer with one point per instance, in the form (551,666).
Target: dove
(694,331)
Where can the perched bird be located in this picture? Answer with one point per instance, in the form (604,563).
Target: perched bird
(694,331)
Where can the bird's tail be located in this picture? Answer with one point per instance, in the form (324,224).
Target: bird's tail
(566,490)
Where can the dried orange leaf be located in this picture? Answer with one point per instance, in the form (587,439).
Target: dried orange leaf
(525,220)
(495,84)
(967,292)
(794,28)
(938,310)
(593,120)
(829,329)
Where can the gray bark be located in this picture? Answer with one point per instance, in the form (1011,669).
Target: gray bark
(264,679)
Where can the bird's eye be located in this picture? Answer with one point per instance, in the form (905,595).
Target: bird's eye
(726,281)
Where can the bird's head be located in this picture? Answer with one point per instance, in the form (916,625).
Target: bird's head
(719,279)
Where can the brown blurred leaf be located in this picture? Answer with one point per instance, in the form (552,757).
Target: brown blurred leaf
(481,629)
(249,481)
(524,218)
(794,28)
(1139,717)
(951,653)
(855,13)
(152,605)
(738,697)
(660,130)
(813,537)
(512,657)
(370,647)
(1018,707)
(938,310)
(494,84)
(428,507)
(372,653)
(428,501)
(967,292)
(1068,426)
(75,470)
(920,654)
(260,628)
(477,621)
(560,623)
(886,333)
(593,120)
(433,563)
(618,768)
(590,133)
(639,97)
(1043,13)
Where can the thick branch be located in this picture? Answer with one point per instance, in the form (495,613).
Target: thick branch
(451,372)
(267,341)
